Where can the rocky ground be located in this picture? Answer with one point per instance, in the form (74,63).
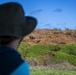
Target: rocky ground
(48,36)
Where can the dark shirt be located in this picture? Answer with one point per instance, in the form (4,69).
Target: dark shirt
(11,62)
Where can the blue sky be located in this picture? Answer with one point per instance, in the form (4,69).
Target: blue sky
(50,13)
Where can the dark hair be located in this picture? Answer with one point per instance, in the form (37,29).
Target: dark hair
(5,40)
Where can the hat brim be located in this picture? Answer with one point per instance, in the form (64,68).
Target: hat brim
(30,24)
(19,31)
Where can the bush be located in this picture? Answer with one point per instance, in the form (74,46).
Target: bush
(56,48)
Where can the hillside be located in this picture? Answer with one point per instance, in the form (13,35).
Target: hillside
(48,36)
(56,56)
(55,48)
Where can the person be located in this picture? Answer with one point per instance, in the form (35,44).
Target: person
(14,26)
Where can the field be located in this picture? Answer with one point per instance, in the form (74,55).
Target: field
(62,57)
(51,71)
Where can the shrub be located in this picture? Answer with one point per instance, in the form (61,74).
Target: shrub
(56,48)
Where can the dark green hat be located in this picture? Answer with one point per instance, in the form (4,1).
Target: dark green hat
(13,21)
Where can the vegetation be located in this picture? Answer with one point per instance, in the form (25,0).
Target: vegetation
(51,71)
(65,52)
(61,53)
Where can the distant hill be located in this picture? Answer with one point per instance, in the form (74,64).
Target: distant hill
(49,36)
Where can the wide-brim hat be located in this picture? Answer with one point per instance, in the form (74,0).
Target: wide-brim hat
(13,21)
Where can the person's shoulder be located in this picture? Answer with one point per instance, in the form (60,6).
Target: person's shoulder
(23,69)
(10,55)
(10,60)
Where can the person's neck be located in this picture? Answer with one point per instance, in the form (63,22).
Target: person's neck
(13,44)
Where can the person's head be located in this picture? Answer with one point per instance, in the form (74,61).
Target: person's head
(14,25)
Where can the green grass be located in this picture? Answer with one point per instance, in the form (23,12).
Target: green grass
(61,52)
(62,56)
(51,71)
